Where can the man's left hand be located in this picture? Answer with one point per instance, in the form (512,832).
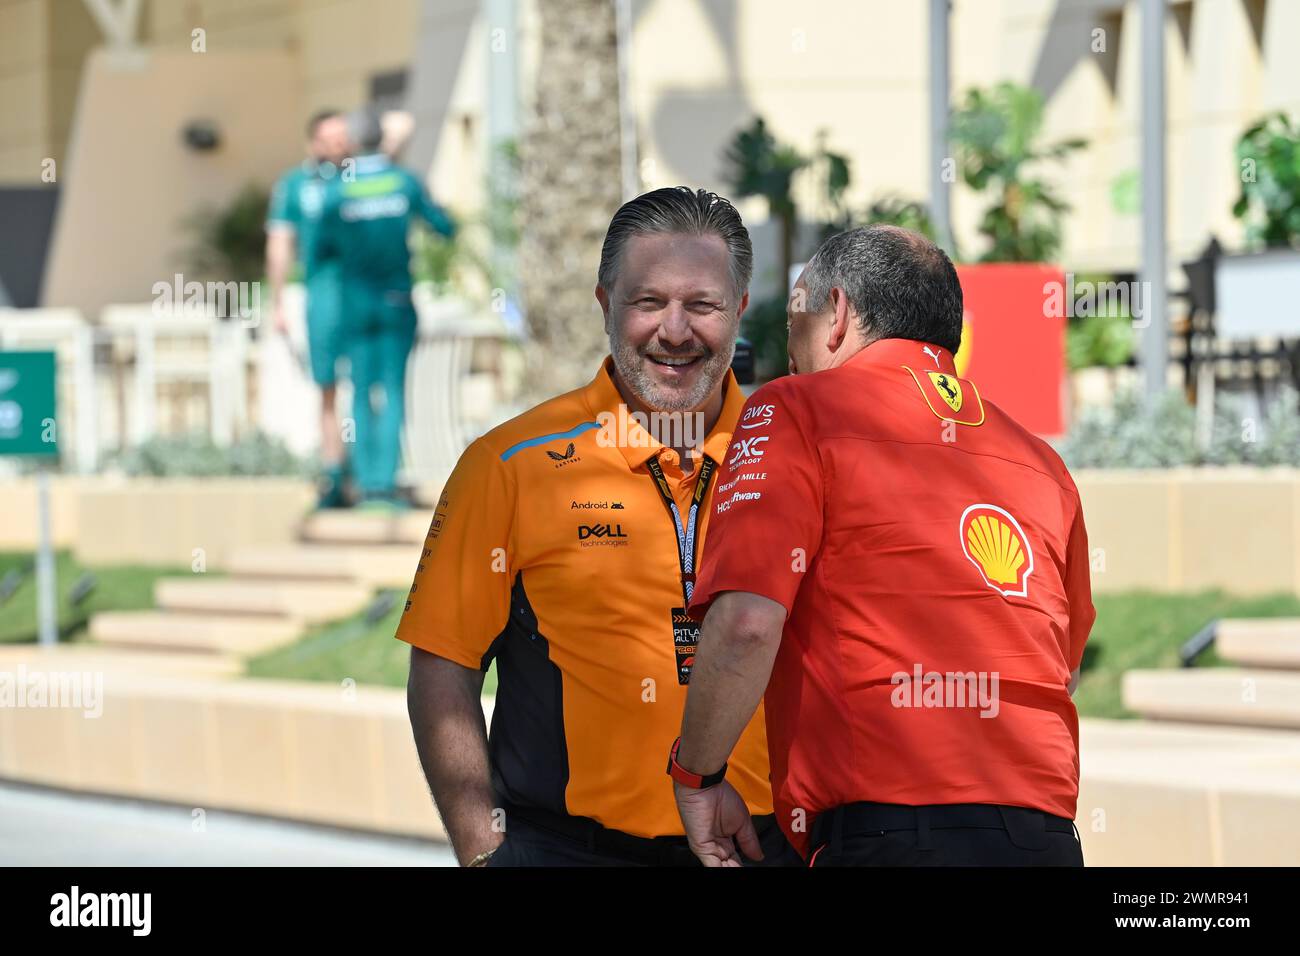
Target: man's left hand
(716,819)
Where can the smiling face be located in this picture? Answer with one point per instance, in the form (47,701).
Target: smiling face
(329,141)
(672,317)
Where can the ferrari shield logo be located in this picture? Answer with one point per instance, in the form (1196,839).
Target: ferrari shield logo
(948,387)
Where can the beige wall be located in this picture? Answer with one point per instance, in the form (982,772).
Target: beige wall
(1237,529)
(703,68)
(340,43)
(184,732)
(1186,530)
(129,183)
(19,524)
(859,68)
(162,522)
(43,44)
(132,183)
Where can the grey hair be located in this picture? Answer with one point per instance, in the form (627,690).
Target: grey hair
(899,283)
(678,209)
(365,129)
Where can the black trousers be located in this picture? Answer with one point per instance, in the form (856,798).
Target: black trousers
(965,834)
(539,838)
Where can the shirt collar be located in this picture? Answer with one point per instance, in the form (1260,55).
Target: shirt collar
(371,163)
(604,401)
(909,352)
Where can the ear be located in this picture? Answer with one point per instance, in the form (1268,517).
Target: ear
(744,304)
(841,320)
(603,298)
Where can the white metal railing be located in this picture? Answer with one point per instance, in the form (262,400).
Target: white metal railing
(246,382)
(219,363)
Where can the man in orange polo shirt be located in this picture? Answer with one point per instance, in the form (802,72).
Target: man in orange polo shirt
(909,567)
(564,548)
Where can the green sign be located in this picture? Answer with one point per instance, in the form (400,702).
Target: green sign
(27,404)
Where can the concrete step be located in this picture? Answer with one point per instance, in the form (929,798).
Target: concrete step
(1260,642)
(1216,695)
(350,526)
(310,602)
(240,635)
(86,656)
(376,565)
(1168,794)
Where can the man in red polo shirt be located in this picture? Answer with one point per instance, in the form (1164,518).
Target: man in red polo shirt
(904,569)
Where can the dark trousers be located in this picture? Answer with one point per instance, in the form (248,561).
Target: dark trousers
(965,834)
(538,838)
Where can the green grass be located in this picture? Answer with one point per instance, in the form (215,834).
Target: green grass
(1144,630)
(1133,630)
(116,589)
(366,652)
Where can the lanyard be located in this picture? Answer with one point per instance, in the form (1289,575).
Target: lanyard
(685,534)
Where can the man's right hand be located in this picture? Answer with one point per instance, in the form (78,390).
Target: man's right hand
(444,702)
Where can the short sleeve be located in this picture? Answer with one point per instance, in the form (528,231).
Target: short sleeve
(283,210)
(766,521)
(1078,587)
(460,598)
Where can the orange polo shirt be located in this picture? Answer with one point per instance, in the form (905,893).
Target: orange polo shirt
(932,559)
(553,553)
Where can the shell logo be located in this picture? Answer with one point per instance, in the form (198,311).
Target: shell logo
(994,542)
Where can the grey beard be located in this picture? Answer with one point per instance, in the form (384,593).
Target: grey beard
(629,363)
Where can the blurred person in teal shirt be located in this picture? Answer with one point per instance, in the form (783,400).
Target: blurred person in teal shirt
(296,205)
(367,216)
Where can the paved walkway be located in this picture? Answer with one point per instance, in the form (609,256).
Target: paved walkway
(40,827)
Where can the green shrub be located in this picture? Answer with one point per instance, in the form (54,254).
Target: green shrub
(198,456)
(995,134)
(764,324)
(1130,435)
(1269,204)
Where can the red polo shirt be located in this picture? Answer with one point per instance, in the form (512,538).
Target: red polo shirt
(932,560)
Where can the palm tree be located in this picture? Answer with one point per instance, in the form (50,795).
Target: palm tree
(994,136)
(570,186)
(755,164)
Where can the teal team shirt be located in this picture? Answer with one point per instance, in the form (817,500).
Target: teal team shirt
(364,226)
(365,219)
(298,200)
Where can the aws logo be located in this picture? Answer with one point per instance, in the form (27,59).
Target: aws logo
(757,416)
